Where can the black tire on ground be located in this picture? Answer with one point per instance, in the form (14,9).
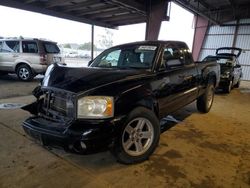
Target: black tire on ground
(138,137)
(205,101)
(24,73)
(229,87)
(238,84)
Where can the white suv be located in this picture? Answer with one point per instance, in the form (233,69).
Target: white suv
(27,57)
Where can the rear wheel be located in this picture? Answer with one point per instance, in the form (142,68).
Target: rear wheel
(205,101)
(24,73)
(138,138)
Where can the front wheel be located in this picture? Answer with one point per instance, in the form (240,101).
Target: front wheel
(205,101)
(138,138)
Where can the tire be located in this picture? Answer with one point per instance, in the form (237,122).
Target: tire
(24,73)
(205,101)
(238,84)
(138,137)
(229,87)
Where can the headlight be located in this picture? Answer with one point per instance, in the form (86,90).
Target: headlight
(95,107)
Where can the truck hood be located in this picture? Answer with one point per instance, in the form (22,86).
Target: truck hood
(85,78)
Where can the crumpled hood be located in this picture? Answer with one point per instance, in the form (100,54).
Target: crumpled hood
(84,78)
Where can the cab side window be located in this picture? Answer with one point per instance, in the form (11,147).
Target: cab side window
(10,46)
(172,58)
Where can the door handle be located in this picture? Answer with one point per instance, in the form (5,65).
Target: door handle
(15,55)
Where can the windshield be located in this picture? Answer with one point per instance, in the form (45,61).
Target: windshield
(51,48)
(138,56)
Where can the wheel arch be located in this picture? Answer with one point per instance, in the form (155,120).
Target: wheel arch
(149,103)
(22,63)
(211,77)
(137,98)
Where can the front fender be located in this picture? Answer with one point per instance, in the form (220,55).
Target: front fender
(135,97)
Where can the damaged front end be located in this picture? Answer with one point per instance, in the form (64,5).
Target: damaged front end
(53,104)
(54,123)
(53,113)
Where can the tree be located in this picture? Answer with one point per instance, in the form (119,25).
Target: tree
(86,46)
(106,40)
(66,46)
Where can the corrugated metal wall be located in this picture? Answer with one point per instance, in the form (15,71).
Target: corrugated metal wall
(224,37)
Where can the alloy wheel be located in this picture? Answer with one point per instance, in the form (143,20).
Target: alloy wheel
(24,73)
(137,136)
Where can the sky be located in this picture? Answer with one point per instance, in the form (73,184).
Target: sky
(36,25)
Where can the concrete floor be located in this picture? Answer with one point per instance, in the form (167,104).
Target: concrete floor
(204,150)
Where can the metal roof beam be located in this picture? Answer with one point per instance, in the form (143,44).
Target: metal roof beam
(55,3)
(82,5)
(108,13)
(185,4)
(129,5)
(29,1)
(120,18)
(104,8)
(19,5)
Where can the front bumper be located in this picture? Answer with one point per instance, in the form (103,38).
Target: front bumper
(76,136)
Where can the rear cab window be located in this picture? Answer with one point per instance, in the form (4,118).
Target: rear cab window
(175,57)
(29,47)
(51,48)
(9,46)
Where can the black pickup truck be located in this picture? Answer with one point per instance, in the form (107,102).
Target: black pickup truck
(231,71)
(118,100)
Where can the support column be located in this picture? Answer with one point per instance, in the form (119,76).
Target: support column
(92,42)
(236,33)
(201,26)
(157,12)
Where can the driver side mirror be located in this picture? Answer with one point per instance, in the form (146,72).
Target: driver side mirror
(237,66)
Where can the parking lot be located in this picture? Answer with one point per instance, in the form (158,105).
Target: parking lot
(202,150)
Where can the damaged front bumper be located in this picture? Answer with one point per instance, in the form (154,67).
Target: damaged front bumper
(55,124)
(77,136)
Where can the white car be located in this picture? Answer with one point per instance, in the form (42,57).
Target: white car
(72,54)
(27,57)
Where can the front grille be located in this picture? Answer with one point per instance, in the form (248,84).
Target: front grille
(58,105)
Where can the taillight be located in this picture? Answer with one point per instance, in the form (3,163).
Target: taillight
(43,59)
